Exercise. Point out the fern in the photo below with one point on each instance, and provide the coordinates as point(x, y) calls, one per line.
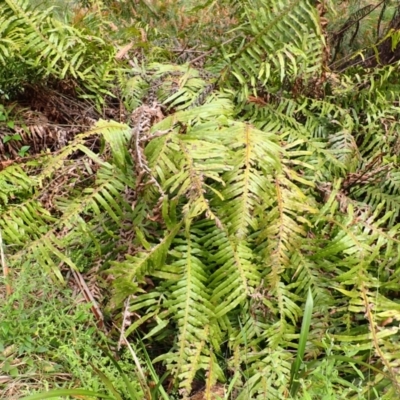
point(226, 197)
point(263, 63)
point(47, 47)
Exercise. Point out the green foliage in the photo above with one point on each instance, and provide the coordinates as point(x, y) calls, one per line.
point(305, 328)
point(45, 335)
point(231, 196)
point(261, 64)
point(35, 46)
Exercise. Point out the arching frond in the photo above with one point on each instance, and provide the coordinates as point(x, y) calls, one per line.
point(262, 63)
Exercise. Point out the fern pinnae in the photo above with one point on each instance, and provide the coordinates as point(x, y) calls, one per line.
point(130, 273)
point(230, 282)
point(192, 311)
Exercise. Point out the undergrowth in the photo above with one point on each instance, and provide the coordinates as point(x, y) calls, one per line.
point(223, 190)
point(49, 339)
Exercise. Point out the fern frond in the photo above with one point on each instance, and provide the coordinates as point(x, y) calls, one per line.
point(129, 274)
point(269, 375)
point(236, 273)
point(13, 180)
point(46, 47)
point(38, 238)
point(284, 42)
point(189, 304)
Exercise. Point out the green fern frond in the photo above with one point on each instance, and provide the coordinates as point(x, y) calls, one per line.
point(46, 47)
point(269, 374)
point(14, 180)
point(189, 304)
point(236, 274)
point(254, 161)
point(263, 60)
point(131, 272)
point(38, 238)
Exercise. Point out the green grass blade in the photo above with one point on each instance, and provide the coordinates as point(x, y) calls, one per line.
point(130, 388)
point(231, 385)
point(154, 375)
point(67, 392)
point(107, 383)
point(305, 328)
